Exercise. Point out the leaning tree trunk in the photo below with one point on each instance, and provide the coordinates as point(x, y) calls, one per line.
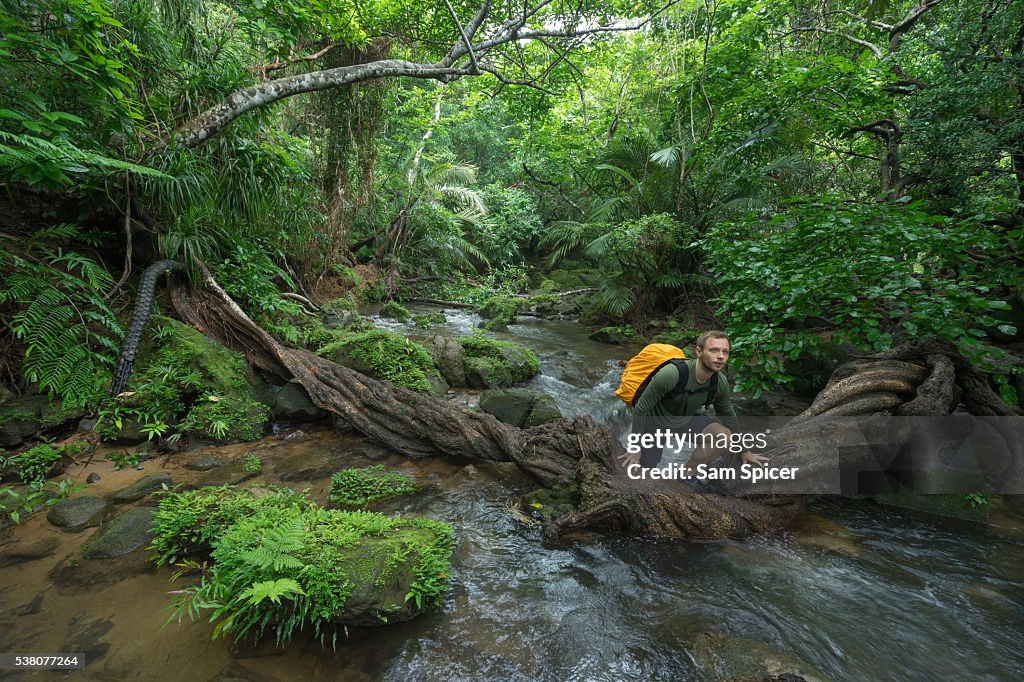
point(919, 379)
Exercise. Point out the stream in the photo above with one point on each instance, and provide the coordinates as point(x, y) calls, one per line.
point(853, 591)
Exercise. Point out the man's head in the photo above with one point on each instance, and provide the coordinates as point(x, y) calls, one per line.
point(713, 350)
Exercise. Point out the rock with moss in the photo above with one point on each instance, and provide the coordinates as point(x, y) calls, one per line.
point(221, 371)
point(493, 364)
point(395, 311)
point(616, 335)
point(426, 320)
point(21, 418)
point(283, 563)
point(227, 419)
point(546, 504)
point(387, 356)
point(499, 311)
point(519, 406)
point(447, 355)
point(358, 488)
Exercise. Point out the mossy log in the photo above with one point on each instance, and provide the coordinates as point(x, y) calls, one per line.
point(922, 378)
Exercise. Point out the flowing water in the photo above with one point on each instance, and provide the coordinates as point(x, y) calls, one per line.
point(854, 591)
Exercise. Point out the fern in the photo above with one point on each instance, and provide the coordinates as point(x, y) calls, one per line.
point(69, 334)
point(272, 590)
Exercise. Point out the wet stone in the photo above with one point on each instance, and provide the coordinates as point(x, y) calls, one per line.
point(124, 534)
point(309, 466)
point(141, 488)
point(204, 462)
point(231, 474)
point(77, 514)
point(85, 635)
point(28, 550)
point(92, 478)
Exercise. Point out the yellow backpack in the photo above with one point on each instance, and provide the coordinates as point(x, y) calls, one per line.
point(642, 366)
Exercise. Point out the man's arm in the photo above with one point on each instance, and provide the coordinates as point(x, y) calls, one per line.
point(723, 405)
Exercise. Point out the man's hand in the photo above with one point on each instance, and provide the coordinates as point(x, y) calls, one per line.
point(750, 458)
point(628, 458)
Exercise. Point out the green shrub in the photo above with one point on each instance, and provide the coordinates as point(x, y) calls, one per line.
point(890, 270)
point(35, 464)
point(251, 463)
point(356, 488)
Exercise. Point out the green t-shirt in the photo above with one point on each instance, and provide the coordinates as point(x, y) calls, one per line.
point(652, 401)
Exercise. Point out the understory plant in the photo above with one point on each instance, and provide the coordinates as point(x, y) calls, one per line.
point(356, 488)
point(868, 274)
point(279, 563)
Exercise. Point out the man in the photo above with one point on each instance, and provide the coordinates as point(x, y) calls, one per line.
point(653, 408)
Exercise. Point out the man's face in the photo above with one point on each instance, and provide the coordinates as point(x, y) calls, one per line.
point(714, 355)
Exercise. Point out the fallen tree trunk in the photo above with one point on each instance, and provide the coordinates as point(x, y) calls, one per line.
point(923, 379)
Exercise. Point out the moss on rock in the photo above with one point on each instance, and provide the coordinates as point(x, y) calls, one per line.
point(357, 488)
point(387, 356)
point(425, 320)
point(491, 364)
point(279, 559)
point(227, 419)
point(395, 311)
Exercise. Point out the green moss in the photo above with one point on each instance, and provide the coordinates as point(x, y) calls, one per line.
point(499, 310)
point(427, 319)
point(278, 559)
point(566, 280)
point(346, 303)
point(394, 310)
point(384, 355)
point(356, 488)
point(227, 418)
point(497, 363)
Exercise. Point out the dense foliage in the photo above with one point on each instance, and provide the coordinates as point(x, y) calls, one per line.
point(661, 161)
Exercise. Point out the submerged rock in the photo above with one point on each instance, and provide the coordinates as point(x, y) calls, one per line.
point(124, 534)
point(77, 514)
point(141, 488)
point(733, 658)
point(29, 549)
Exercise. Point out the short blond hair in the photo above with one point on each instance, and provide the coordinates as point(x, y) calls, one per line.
point(713, 334)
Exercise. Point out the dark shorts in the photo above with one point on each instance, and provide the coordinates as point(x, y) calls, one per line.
point(699, 423)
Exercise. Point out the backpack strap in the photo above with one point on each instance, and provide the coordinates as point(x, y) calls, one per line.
point(680, 387)
point(684, 376)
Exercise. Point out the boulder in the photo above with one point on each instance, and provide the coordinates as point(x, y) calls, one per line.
point(141, 488)
point(78, 514)
point(447, 355)
point(291, 404)
point(494, 364)
point(387, 356)
point(732, 658)
point(124, 534)
point(22, 417)
point(519, 406)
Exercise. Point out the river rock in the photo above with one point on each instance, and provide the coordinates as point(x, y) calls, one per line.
point(293, 404)
point(733, 658)
point(447, 355)
point(141, 488)
point(23, 417)
point(124, 534)
point(309, 466)
point(28, 549)
point(92, 478)
point(85, 636)
point(611, 335)
point(77, 514)
point(230, 474)
point(204, 463)
point(520, 407)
